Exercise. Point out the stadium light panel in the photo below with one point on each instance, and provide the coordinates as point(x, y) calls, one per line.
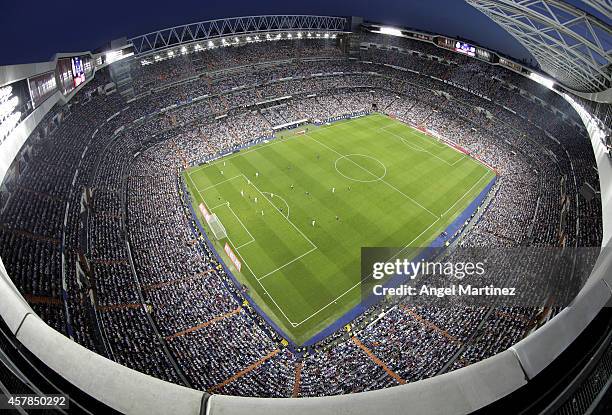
point(326, 35)
point(7, 107)
point(548, 83)
point(211, 44)
point(184, 49)
point(289, 36)
point(113, 56)
point(387, 30)
point(5, 92)
point(299, 35)
point(8, 118)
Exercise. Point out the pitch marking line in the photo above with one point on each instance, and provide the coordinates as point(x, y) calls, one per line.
point(377, 178)
point(372, 174)
point(264, 288)
point(219, 205)
point(288, 263)
point(419, 148)
point(466, 193)
point(293, 324)
point(288, 220)
point(365, 278)
point(272, 195)
point(241, 223)
point(221, 182)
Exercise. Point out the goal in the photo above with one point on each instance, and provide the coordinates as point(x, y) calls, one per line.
point(217, 227)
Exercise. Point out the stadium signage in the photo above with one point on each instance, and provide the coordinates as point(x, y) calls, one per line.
point(204, 211)
point(232, 256)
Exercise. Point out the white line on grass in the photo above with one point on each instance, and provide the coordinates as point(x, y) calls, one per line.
point(288, 263)
point(236, 248)
point(242, 224)
point(293, 324)
point(219, 205)
point(466, 193)
point(288, 220)
point(367, 277)
point(281, 198)
point(372, 174)
point(419, 148)
point(221, 182)
point(245, 244)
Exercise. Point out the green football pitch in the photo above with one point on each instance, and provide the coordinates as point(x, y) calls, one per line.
point(298, 209)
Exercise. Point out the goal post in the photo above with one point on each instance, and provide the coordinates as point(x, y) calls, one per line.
point(214, 223)
point(217, 227)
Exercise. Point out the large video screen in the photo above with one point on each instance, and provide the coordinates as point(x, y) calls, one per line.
point(78, 71)
point(465, 48)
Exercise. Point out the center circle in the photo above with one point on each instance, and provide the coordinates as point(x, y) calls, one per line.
point(360, 168)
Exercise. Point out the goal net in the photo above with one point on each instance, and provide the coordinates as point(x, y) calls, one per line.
point(217, 227)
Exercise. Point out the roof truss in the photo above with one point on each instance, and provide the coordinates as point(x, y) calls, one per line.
point(210, 29)
point(571, 45)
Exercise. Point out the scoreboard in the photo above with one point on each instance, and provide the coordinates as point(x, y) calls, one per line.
point(464, 48)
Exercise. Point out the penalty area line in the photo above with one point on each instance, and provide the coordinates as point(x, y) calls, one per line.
point(288, 263)
point(367, 277)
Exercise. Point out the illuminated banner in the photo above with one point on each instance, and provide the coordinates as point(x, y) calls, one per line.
point(465, 48)
point(78, 71)
point(232, 256)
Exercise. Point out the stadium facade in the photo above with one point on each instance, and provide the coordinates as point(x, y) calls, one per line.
point(100, 383)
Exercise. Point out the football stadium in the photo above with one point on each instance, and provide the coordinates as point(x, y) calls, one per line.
point(305, 214)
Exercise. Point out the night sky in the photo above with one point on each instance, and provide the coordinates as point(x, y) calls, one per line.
point(32, 31)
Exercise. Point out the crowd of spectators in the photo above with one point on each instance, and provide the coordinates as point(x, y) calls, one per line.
point(142, 288)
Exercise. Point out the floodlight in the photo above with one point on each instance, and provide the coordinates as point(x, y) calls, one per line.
point(548, 83)
point(387, 30)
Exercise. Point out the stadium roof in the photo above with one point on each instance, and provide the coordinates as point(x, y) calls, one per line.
point(570, 45)
point(210, 29)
